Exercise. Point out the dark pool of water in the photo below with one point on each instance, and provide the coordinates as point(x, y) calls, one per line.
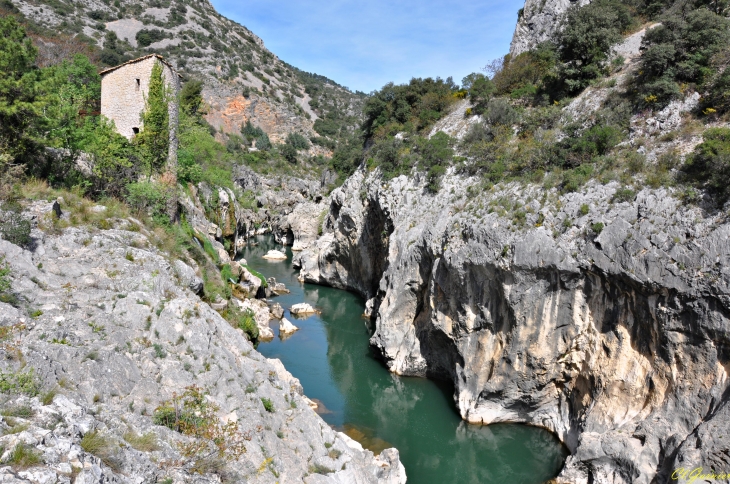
point(331, 357)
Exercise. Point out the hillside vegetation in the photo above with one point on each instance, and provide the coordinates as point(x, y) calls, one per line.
point(241, 80)
point(524, 123)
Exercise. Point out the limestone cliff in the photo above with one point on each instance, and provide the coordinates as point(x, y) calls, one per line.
point(537, 21)
point(107, 325)
point(605, 321)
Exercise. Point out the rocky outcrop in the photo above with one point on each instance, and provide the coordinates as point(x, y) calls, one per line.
point(291, 208)
point(605, 321)
point(537, 21)
point(110, 325)
point(301, 227)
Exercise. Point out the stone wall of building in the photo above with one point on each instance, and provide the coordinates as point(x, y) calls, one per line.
point(123, 93)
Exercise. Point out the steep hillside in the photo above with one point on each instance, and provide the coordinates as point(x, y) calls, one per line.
point(242, 79)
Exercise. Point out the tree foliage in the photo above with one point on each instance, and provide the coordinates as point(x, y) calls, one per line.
point(480, 89)
point(585, 39)
point(19, 101)
point(407, 107)
point(709, 165)
point(191, 98)
point(154, 138)
point(680, 52)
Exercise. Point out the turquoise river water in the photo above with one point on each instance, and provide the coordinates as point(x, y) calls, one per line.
point(357, 395)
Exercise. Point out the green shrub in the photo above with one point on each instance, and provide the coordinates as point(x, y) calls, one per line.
point(263, 143)
point(709, 165)
point(585, 39)
point(268, 405)
point(193, 415)
point(297, 141)
point(4, 275)
point(576, 178)
point(623, 195)
point(188, 170)
point(680, 51)
point(289, 152)
point(523, 76)
point(145, 37)
point(16, 230)
point(159, 351)
point(24, 382)
point(584, 209)
point(244, 320)
point(480, 89)
point(150, 198)
point(500, 111)
point(406, 107)
point(435, 154)
point(597, 227)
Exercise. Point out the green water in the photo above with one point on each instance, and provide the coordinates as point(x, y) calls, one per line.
point(331, 357)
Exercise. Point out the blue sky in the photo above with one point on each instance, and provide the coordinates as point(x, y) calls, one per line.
point(364, 45)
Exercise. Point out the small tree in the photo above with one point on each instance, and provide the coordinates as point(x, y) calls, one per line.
point(480, 89)
point(19, 105)
point(155, 136)
point(193, 415)
point(191, 98)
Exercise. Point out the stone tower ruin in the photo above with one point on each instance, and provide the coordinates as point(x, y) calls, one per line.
point(124, 89)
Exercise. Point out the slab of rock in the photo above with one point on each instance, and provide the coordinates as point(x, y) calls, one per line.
point(286, 327)
point(187, 276)
point(277, 311)
point(276, 288)
point(219, 306)
point(302, 309)
point(275, 255)
point(124, 336)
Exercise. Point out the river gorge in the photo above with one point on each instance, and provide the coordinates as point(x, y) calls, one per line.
point(356, 394)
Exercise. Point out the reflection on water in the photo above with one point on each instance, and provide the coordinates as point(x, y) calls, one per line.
point(366, 437)
point(357, 395)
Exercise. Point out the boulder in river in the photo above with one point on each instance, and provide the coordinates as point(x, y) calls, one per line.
point(275, 255)
point(302, 309)
point(277, 311)
point(286, 327)
point(277, 288)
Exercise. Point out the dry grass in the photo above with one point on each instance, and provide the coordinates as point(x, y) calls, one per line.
point(144, 443)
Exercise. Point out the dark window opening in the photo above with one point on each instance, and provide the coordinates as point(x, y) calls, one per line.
point(135, 130)
point(137, 85)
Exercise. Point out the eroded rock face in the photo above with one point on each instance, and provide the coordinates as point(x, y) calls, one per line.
point(537, 22)
point(613, 336)
point(301, 227)
point(117, 330)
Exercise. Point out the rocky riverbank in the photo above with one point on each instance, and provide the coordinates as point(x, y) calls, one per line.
point(101, 332)
point(600, 315)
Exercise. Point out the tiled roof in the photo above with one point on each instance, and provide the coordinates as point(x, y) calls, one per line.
point(161, 59)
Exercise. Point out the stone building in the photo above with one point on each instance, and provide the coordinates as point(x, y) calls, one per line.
point(124, 89)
